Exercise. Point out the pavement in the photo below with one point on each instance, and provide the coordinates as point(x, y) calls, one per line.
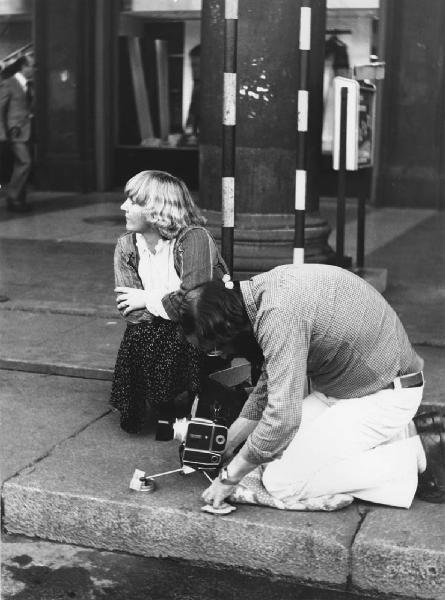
point(71, 524)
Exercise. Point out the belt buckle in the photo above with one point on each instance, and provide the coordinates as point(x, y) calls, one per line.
point(397, 384)
point(398, 380)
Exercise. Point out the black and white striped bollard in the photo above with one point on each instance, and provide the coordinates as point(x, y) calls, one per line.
point(303, 112)
point(228, 133)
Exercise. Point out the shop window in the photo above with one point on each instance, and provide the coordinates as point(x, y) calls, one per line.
point(158, 78)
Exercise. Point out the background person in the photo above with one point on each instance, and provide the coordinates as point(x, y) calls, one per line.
point(16, 102)
point(165, 252)
point(191, 129)
point(330, 324)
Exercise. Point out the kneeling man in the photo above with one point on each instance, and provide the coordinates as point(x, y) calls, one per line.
point(357, 432)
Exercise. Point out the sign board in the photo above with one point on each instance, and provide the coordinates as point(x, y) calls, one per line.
point(373, 71)
point(360, 119)
point(353, 88)
point(366, 125)
point(162, 5)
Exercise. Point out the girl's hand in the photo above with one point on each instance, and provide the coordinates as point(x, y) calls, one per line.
point(129, 299)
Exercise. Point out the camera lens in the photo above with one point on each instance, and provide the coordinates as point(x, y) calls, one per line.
point(164, 431)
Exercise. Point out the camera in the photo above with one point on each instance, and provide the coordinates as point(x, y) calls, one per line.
point(203, 438)
point(202, 442)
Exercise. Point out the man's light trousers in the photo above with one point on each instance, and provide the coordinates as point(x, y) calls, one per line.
point(358, 446)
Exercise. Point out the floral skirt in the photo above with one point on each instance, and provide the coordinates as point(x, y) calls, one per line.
point(155, 364)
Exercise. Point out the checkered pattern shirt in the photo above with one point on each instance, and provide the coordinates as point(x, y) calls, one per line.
point(328, 323)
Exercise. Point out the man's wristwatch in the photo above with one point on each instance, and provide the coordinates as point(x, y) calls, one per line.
point(224, 477)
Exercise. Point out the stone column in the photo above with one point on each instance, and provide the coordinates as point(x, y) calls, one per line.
point(412, 160)
point(266, 129)
point(64, 50)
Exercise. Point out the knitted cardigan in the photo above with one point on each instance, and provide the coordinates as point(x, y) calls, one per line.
point(196, 260)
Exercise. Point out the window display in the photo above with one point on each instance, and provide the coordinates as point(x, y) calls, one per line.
point(159, 75)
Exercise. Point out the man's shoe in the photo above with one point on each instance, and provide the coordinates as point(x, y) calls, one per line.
point(431, 430)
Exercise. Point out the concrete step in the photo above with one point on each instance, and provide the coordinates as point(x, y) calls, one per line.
point(62, 308)
point(79, 494)
point(60, 344)
point(86, 345)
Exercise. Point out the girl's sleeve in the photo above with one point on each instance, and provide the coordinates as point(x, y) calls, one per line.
point(196, 266)
point(126, 276)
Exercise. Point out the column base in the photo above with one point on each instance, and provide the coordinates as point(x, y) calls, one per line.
point(264, 241)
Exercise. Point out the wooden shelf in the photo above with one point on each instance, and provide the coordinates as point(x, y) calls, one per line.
point(163, 148)
point(168, 15)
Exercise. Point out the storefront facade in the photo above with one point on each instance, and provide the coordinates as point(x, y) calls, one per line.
point(118, 83)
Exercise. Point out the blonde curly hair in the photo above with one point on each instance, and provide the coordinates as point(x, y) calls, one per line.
point(167, 203)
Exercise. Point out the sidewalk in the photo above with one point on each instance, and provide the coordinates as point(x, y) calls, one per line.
point(67, 465)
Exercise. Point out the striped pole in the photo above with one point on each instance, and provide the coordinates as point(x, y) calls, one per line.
point(228, 133)
point(303, 111)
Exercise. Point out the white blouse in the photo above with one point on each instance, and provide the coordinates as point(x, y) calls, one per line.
point(157, 272)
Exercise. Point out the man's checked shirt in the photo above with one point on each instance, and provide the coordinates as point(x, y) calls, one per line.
point(328, 323)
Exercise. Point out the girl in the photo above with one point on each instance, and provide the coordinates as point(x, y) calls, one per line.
point(165, 252)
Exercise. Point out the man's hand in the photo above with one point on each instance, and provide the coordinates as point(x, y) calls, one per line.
point(217, 493)
point(129, 299)
point(235, 471)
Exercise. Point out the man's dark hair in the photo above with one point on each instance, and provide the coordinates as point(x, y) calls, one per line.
point(213, 313)
point(21, 62)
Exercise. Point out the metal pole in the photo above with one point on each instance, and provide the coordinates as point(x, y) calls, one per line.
point(361, 215)
point(341, 189)
point(303, 110)
point(229, 128)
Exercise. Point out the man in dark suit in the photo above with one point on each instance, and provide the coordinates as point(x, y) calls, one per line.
point(15, 128)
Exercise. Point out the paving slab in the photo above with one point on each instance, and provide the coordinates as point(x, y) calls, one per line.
point(416, 279)
point(382, 226)
point(421, 310)
point(79, 494)
point(39, 411)
point(41, 270)
point(75, 218)
point(60, 344)
point(402, 552)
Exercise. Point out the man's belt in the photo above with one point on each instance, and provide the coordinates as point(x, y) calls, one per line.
point(407, 381)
